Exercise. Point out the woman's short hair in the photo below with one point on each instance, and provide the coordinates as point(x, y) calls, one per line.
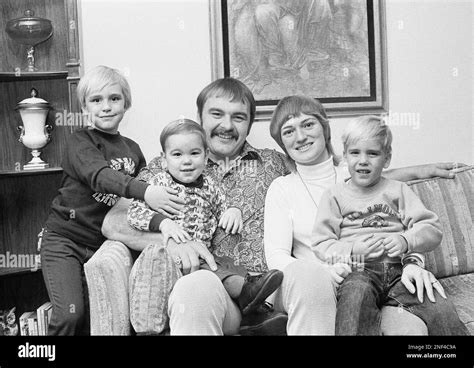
point(368, 127)
point(231, 88)
point(182, 126)
point(293, 106)
point(100, 77)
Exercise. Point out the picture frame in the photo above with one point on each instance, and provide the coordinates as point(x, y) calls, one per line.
point(336, 54)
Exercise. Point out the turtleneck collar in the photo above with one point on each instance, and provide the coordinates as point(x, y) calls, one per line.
point(319, 171)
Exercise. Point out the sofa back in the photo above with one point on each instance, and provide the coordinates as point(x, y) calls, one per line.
point(452, 200)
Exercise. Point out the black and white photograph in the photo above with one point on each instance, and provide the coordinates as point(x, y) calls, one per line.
point(248, 168)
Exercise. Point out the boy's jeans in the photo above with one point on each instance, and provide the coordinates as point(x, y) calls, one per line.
point(367, 289)
point(62, 263)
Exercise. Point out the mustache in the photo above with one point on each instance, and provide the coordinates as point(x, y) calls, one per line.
point(231, 132)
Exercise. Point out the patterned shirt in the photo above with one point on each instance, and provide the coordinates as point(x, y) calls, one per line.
point(205, 203)
point(245, 183)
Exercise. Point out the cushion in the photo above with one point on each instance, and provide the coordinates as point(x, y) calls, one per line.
point(452, 201)
point(151, 280)
point(107, 280)
point(460, 289)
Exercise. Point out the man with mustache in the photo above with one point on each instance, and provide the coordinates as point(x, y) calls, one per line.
point(198, 303)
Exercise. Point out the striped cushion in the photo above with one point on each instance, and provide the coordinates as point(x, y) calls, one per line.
point(151, 281)
point(452, 201)
point(107, 280)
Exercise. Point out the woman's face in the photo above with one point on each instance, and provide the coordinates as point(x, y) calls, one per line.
point(304, 141)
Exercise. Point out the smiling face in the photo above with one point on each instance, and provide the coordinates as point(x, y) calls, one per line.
point(106, 108)
point(366, 159)
point(226, 124)
point(185, 156)
point(304, 141)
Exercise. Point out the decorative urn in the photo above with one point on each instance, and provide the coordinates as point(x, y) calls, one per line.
point(35, 133)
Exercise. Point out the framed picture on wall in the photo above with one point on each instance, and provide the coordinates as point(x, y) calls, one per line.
point(334, 51)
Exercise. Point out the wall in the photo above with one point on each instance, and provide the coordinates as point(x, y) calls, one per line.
point(164, 47)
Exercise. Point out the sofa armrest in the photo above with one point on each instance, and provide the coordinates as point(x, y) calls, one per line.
point(107, 274)
point(151, 281)
point(452, 201)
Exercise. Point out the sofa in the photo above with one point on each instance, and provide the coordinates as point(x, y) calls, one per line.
point(109, 272)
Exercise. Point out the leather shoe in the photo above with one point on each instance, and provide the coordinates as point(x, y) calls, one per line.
point(258, 288)
point(264, 321)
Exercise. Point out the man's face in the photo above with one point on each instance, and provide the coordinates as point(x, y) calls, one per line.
point(226, 125)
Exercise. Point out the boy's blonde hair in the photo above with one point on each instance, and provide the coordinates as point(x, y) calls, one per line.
point(100, 77)
point(368, 127)
point(182, 126)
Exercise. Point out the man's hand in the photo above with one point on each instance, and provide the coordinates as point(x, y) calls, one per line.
point(189, 253)
point(164, 200)
point(441, 169)
point(395, 245)
point(369, 246)
point(423, 280)
point(170, 229)
point(339, 272)
point(231, 221)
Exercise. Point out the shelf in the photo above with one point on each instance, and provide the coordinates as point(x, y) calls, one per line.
point(26, 76)
point(51, 170)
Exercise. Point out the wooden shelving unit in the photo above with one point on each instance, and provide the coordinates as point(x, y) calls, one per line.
point(31, 76)
point(25, 196)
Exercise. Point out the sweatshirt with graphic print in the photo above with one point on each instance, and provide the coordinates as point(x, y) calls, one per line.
point(99, 168)
point(388, 207)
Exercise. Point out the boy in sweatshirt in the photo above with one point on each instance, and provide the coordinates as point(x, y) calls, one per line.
point(373, 222)
point(99, 166)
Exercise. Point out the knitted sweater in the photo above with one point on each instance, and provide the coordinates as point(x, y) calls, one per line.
point(290, 212)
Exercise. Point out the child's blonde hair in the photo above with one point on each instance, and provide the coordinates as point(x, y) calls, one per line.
point(368, 127)
point(100, 77)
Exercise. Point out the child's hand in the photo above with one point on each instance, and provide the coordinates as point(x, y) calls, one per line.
point(395, 245)
point(231, 221)
point(171, 229)
point(370, 246)
point(164, 200)
point(339, 272)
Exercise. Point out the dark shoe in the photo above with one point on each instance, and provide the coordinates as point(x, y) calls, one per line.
point(258, 288)
point(264, 321)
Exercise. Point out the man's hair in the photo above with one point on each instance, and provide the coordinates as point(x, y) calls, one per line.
point(293, 106)
point(231, 88)
point(100, 77)
point(368, 127)
point(182, 126)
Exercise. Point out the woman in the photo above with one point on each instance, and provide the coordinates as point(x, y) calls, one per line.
point(300, 127)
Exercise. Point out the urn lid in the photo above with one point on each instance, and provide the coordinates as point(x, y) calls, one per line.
point(33, 102)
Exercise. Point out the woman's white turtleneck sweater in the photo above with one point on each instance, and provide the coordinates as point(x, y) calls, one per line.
point(290, 212)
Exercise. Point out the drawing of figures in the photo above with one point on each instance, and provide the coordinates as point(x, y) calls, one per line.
point(299, 46)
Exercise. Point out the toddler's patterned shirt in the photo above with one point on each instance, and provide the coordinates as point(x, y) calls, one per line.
point(205, 203)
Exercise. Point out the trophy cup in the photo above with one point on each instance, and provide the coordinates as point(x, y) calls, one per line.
point(29, 31)
point(35, 134)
